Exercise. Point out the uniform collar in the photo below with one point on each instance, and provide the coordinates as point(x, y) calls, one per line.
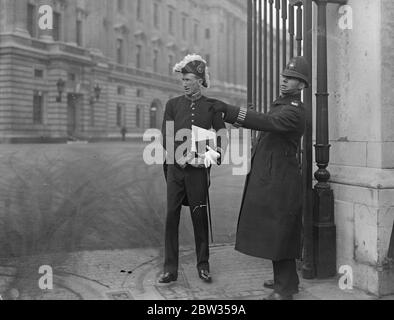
point(194, 97)
point(287, 99)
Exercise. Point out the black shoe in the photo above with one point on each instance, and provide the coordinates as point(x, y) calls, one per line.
point(167, 278)
point(269, 284)
point(277, 296)
point(205, 276)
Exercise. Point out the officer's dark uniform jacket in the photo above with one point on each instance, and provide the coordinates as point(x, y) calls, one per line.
point(270, 219)
point(184, 113)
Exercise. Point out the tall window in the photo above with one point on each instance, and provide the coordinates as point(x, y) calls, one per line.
point(31, 20)
point(138, 117)
point(56, 26)
point(119, 51)
point(38, 107)
point(195, 32)
point(121, 90)
point(79, 33)
point(170, 64)
point(171, 20)
point(121, 5)
point(207, 33)
point(119, 114)
point(156, 21)
point(139, 9)
point(139, 57)
point(155, 60)
point(207, 59)
point(92, 116)
point(184, 28)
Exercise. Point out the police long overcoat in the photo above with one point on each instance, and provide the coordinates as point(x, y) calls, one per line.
point(270, 220)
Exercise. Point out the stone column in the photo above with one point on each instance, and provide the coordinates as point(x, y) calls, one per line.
point(360, 57)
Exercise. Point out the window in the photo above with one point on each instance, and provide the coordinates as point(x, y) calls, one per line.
point(92, 116)
point(121, 5)
point(207, 59)
point(119, 51)
point(138, 116)
point(71, 76)
point(31, 20)
point(207, 33)
point(195, 32)
point(171, 21)
point(155, 60)
point(184, 27)
point(79, 33)
point(119, 114)
point(156, 20)
point(38, 106)
point(139, 57)
point(140, 93)
point(139, 9)
point(170, 64)
point(121, 91)
point(56, 26)
point(38, 73)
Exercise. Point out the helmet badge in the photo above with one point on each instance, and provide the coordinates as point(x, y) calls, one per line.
point(292, 66)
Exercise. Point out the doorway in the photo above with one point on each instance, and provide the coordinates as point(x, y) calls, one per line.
point(74, 104)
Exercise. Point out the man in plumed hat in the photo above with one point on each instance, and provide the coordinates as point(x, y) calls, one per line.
point(270, 220)
point(187, 168)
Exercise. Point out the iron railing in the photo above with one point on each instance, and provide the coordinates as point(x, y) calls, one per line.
point(277, 31)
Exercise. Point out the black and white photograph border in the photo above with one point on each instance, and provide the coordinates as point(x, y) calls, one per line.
point(303, 89)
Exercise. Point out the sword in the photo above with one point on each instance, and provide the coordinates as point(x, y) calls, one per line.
point(209, 205)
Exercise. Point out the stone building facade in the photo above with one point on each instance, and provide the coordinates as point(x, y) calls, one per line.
point(107, 64)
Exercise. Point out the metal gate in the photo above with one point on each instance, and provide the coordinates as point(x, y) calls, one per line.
point(277, 31)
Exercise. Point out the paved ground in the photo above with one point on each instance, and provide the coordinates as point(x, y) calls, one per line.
point(95, 214)
point(59, 199)
point(132, 275)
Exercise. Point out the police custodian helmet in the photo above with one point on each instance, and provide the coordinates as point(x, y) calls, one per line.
point(298, 68)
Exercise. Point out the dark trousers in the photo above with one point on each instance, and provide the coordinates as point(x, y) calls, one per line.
point(286, 279)
point(191, 184)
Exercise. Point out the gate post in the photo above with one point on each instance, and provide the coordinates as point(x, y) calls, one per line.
point(308, 267)
point(323, 205)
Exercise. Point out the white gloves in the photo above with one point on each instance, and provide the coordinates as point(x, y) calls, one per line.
point(211, 157)
point(206, 160)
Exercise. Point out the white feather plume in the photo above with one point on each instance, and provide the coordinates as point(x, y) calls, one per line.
point(190, 58)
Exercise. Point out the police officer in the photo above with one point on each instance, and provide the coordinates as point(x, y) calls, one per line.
point(186, 172)
point(270, 220)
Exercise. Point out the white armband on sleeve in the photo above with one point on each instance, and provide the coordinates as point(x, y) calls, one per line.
point(241, 117)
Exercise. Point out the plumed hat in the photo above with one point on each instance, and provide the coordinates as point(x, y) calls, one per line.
point(193, 63)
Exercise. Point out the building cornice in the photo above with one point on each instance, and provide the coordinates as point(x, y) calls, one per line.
point(13, 44)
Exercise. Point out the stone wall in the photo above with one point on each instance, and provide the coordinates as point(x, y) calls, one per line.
point(362, 135)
